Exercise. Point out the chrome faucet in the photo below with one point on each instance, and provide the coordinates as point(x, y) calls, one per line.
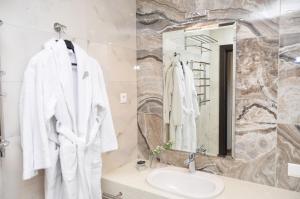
point(190, 162)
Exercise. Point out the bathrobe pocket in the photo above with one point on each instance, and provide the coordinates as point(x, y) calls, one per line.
point(96, 162)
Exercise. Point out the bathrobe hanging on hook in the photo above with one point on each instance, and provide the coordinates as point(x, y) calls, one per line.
point(180, 106)
point(65, 122)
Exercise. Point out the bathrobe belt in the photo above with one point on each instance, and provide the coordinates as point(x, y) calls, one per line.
point(72, 136)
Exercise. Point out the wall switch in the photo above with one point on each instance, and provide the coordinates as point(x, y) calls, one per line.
point(294, 170)
point(123, 98)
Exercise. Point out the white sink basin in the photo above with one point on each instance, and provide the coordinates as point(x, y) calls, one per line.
point(189, 185)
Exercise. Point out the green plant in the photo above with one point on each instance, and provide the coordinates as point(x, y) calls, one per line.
point(160, 148)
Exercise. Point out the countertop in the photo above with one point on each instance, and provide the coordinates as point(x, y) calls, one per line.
point(128, 176)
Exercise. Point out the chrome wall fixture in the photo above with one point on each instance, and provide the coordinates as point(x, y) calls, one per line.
point(59, 28)
point(199, 41)
point(202, 80)
point(110, 196)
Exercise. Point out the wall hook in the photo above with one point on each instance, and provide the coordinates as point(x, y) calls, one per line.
point(59, 28)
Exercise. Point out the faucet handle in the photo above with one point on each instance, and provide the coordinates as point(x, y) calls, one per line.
point(201, 150)
point(192, 156)
point(190, 159)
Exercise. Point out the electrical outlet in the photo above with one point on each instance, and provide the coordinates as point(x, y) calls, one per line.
point(123, 98)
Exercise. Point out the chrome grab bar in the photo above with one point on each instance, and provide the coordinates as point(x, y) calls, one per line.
point(110, 196)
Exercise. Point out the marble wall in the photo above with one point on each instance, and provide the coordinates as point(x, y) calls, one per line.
point(107, 31)
point(267, 130)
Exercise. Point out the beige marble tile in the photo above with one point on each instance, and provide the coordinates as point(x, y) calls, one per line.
point(288, 151)
point(147, 38)
point(257, 69)
point(260, 170)
point(149, 78)
point(289, 19)
point(255, 18)
point(150, 85)
point(289, 74)
point(149, 132)
point(117, 62)
point(10, 108)
point(289, 85)
point(166, 9)
point(21, 43)
point(125, 123)
point(1, 182)
point(112, 22)
point(257, 110)
point(14, 186)
point(41, 15)
point(288, 6)
point(253, 140)
point(266, 28)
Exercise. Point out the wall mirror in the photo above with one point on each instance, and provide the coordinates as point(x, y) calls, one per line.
point(199, 67)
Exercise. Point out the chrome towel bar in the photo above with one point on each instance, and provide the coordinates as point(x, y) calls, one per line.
point(110, 196)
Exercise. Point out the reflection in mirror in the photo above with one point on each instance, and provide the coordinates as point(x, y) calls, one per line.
point(199, 65)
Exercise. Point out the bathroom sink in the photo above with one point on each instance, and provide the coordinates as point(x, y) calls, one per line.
point(189, 185)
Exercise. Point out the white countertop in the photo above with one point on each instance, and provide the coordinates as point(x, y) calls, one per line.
point(130, 177)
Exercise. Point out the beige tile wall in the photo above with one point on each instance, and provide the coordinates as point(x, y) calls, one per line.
point(106, 30)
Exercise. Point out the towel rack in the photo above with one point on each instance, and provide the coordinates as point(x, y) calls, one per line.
point(110, 196)
point(199, 41)
point(202, 81)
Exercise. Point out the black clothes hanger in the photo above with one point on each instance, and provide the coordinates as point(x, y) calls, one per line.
point(70, 46)
point(60, 28)
point(181, 63)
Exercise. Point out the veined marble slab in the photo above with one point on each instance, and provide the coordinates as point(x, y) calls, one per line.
point(267, 88)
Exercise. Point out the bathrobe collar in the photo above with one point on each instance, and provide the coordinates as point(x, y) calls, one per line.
point(65, 74)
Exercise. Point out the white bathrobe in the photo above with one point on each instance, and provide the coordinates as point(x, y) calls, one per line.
point(66, 122)
point(180, 106)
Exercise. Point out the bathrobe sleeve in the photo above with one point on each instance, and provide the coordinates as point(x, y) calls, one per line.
point(194, 96)
point(108, 134)
point(177, 98)
point(195, 103)
point(167, 97)
point(34, 139)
